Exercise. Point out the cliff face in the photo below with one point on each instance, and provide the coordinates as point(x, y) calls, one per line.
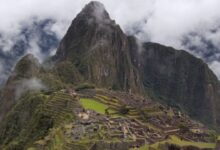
point(180, 79)
point(99, 50)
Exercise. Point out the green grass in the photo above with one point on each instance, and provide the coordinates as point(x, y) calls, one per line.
point(175, 140)
point(93, 105)
point(99, 107)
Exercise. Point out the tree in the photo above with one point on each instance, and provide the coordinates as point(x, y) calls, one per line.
point(123, 110)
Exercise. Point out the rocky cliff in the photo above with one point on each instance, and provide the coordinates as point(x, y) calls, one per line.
point(99, 50)
point(181, 80)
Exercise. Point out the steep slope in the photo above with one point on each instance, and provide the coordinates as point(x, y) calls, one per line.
point(99, 50)
point(26, 68)
point(33, 116)
point(180, 79)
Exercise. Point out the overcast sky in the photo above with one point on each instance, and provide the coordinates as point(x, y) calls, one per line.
point(168, 22)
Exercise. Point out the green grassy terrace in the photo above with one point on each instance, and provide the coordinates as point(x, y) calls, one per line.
point(93, 105)
point(177, 141)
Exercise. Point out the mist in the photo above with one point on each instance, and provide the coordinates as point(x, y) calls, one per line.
point(192, 25)
point(33, 84)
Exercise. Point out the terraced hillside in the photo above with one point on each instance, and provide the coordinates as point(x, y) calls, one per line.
point(33, 117)
point(104, 119)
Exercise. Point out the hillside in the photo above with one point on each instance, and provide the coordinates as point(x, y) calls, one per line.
point(85, 118)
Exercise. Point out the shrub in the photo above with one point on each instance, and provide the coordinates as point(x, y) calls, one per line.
point(84, 86)
point(123, 110)
point(115, 87)
point(183, 128)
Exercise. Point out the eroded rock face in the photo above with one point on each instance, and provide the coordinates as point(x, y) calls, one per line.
point(180, 79)
point(99, 50)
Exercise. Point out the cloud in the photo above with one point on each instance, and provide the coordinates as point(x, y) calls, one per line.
point(28, 84)
point(215, 66)
point(167, 22)
point(1, 67)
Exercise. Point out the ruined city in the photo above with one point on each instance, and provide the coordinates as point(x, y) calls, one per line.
point(104, 115)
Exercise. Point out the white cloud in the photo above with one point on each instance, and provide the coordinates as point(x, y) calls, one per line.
point(28, 84)
point(215, 66)
point(162, 21)
point(166, 21)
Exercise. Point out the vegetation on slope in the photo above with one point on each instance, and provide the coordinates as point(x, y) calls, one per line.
point(33, 116)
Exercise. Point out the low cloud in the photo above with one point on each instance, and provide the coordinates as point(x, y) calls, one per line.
point(25, 85)
point(163, 21)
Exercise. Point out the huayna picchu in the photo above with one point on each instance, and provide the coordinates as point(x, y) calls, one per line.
point(103, 91)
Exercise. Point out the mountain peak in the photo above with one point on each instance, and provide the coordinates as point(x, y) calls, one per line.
point(27, 67)
point(95, 4)
point(99, 49)
point(95, 11)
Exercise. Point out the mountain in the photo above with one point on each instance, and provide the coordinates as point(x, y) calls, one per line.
point(102, 54)
point(26, 68)
point(31, 35)
point(180, 79)
point(106, 90)
point(99, 50)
